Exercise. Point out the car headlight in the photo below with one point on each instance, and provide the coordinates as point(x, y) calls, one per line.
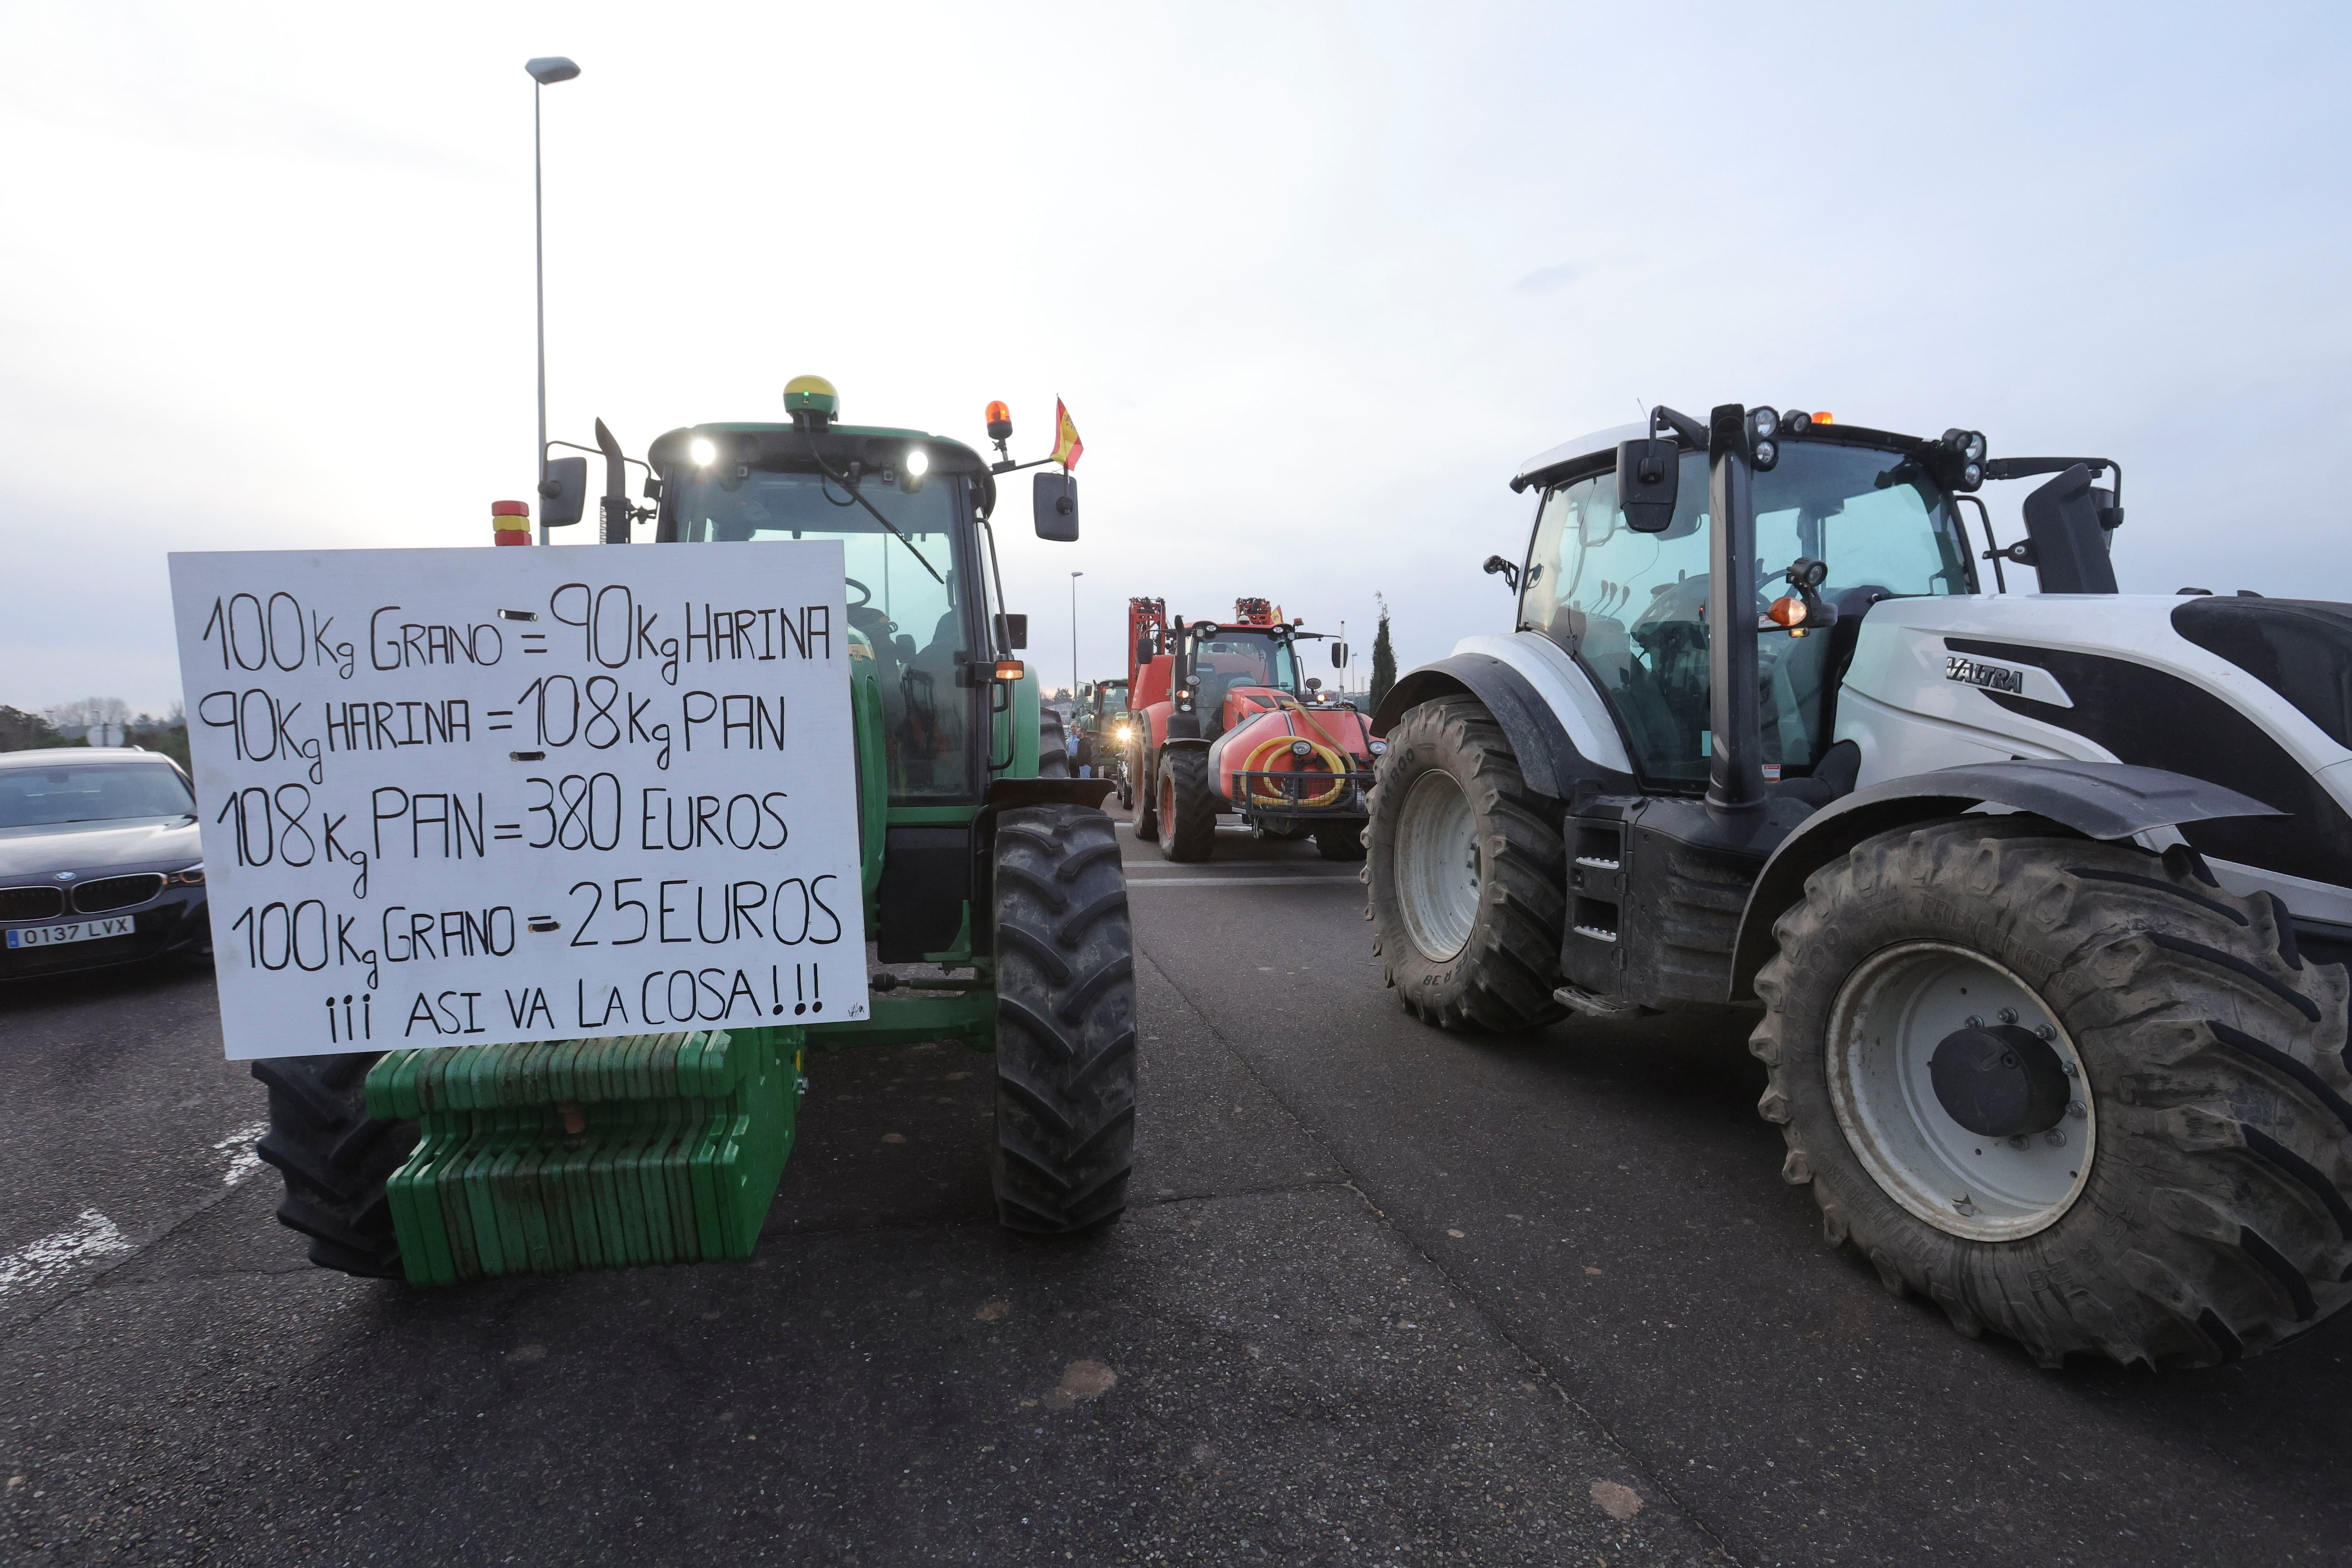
point(194, 877)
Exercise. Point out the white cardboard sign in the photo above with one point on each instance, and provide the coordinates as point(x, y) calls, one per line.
point(475, 796)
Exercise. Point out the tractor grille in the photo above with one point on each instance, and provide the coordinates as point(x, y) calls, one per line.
point(117, 892)
point(30, 903)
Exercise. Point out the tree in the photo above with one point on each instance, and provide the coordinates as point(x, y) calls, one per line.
point(22, 731)
point(1384, 658)
point(89, 711)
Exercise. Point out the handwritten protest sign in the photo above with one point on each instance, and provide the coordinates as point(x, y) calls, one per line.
point(475, 796)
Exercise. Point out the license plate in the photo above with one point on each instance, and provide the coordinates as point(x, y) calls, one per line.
point(79, 931)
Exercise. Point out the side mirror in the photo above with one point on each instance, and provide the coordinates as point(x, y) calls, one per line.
point(1143, 651)
point(1055, 500)
point(1510, 575)
point(563, 494)
point(1314, 683)
point(2070, 548)
point(1647, 476)
point(1339, 655)
point(1012, 631)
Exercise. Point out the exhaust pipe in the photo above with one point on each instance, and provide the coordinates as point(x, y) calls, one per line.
point(1734, 776)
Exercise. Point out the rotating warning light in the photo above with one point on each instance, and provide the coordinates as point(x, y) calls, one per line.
point(702, 451)
point(811, 394)
point(1000, 422)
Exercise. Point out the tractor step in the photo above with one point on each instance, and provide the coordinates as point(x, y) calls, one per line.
point(597, 1153)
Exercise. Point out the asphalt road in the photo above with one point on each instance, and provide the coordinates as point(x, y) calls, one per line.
point(1385, 1296)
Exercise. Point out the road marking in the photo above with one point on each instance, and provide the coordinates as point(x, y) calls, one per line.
point(91, 1236)
point(1240, 882)
point(238, 1146)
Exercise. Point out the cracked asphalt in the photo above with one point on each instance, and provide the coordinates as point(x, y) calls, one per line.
point(1384, 1296)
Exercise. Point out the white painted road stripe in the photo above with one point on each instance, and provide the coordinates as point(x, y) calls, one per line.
point(91, 1236)
point(238, 1146)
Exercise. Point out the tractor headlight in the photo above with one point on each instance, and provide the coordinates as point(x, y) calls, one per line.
point(1767, 454)
point(1971, 476)
point(1796, 421)
point(1763, 424)
point(703, 451)
point(1972, 447)
point(918, 463)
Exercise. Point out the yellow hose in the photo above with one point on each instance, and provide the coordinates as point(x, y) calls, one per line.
point(1260, 795)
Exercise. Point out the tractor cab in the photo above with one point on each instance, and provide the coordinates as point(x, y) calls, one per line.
point(1241, 670)
point(1627, 600)
point(911, 511)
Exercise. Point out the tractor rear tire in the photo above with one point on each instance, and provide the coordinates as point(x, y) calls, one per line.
point(1066, 1024)
point(335, 1159)
point(2194, 1205)
point(1053, 746)
point(1339, 840)
point(1468, 874)
point(1187, 814)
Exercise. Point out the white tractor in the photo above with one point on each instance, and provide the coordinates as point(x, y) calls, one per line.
point(2045, 898)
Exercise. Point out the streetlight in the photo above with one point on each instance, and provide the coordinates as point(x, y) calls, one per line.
point(1074, 634)
point(545, 71)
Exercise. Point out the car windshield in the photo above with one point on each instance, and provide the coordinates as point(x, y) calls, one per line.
point(904, 602)
point(1231, 658)
point(1627, 605)
point(91, 792)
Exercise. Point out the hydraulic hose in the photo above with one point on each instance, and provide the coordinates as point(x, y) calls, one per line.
point(1259, 794)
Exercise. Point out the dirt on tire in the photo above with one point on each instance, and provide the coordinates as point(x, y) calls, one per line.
point(1503, 979)
point(2215, 1221)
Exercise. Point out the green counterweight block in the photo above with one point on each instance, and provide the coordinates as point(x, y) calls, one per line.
point(608, 1154)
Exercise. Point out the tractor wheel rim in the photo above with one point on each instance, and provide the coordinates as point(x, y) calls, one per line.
point(1168, 809)
point(1438, 874)
point(1885, 1023)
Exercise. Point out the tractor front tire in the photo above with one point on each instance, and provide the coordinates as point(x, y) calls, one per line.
point(1468, 874)
point(335, 1159)
point(1187, 814)
point(1053, 746)
point(1064, 1022)
point(2189, 1205)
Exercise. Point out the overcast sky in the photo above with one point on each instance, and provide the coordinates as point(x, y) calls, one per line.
point(1312, 280)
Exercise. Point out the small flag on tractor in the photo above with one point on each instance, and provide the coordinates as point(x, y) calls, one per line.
point(1067, 448)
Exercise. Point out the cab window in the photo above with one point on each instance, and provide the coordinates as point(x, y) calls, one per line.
point(905, 597)
point(1629, 606)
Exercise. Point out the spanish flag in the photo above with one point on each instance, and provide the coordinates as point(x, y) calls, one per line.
point(1067, 448)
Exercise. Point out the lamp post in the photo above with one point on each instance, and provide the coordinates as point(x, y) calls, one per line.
point(545, 71)
point(1074, 634)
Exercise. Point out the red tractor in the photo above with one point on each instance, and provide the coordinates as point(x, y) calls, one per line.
point(1224, 722)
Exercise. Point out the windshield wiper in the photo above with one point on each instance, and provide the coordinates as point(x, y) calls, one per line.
point(851, 486)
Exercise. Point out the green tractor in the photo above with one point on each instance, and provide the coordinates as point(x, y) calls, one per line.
point(995, 905)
